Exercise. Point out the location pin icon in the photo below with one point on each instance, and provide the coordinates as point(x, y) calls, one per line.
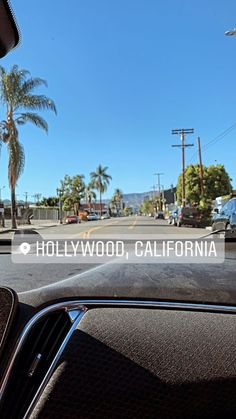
point(25, 248)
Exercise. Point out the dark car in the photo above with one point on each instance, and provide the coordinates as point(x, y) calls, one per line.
point(188, 216)
point(159, 215)
point(225, 218)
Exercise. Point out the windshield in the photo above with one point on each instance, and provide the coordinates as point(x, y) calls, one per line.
point(124, 112)
point(190, 211)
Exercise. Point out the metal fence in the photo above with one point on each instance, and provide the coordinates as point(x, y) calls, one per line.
point(45, 214)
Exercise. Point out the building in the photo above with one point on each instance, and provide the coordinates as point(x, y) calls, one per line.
point(94, 207)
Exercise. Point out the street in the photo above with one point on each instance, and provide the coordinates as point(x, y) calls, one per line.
point(27, 277)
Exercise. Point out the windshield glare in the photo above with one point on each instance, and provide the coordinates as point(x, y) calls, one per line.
point(117, 142)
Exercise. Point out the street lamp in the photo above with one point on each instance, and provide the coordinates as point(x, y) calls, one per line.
point(59, 194)
point(2, 208)
point(231, 32)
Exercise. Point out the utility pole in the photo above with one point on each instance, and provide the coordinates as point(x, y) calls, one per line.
point(159, 187)
point(163, 197)
point(174, 194)
point(26, 199)
point(200, 165)
point(182, 132)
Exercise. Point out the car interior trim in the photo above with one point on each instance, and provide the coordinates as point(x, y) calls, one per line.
point(81, 307)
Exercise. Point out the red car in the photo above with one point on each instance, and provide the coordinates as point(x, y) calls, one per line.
point(72, 219)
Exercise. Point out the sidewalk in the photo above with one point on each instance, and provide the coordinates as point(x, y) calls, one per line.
point(35, 225)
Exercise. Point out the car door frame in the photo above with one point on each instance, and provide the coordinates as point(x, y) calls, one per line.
point(222, 219)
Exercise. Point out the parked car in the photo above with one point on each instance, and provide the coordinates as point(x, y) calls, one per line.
point(225, 219)
point(92, 217)
point(105, 216)
point(188, 216)
point(160, 215)
point(72, 219)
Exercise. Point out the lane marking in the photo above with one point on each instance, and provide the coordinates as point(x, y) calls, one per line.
point(86, 234)
point(132, 225)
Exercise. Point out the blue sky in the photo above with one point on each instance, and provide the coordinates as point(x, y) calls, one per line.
point(123, 74)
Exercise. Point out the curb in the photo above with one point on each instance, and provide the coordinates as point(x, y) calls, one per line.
point(9, 230)
point(32, 227)
point(42, 226)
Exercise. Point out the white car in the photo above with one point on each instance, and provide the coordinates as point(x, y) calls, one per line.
point(105, 216)
point(92, 217)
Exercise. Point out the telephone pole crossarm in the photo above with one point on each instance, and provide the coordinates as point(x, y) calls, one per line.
point(182, 132)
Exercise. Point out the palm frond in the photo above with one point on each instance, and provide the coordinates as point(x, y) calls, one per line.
point(36, 102)
point(20, 72)
point(11, 83)
point(31, 84)
point(16, 160)
point(100, 179)
point(34, 118)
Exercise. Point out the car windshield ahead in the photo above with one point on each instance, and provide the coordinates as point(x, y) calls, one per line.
point(126, 93)
point(190, 211)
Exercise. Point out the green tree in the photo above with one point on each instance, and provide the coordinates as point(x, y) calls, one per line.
point(17, 95)
point(216, 182)
point(51, 201)
point(147, 206)
point(128, 210)
point(100, 180)
point(72, 190)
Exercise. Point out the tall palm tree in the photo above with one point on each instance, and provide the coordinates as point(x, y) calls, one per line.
point(17, 95)
point(89, 195)
point(100, 181)
point(118, 196)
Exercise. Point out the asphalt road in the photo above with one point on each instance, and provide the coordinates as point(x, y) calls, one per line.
point(23, 277)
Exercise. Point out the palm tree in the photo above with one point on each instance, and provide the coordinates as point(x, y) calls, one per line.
point(89, 195)
point(100, 180)
point(17, 94)
point(118, 196)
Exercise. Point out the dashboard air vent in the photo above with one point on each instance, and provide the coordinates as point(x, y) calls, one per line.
point(34, 360)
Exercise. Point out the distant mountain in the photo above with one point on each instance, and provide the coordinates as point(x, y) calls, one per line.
point(133, 199)
point(136, 199)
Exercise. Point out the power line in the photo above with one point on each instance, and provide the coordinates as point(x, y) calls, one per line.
point(200, 165)
point(215, 140)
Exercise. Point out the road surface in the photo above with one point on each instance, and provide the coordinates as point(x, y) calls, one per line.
point(27, 277)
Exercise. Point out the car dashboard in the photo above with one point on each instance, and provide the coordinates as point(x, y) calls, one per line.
point(110, 358)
